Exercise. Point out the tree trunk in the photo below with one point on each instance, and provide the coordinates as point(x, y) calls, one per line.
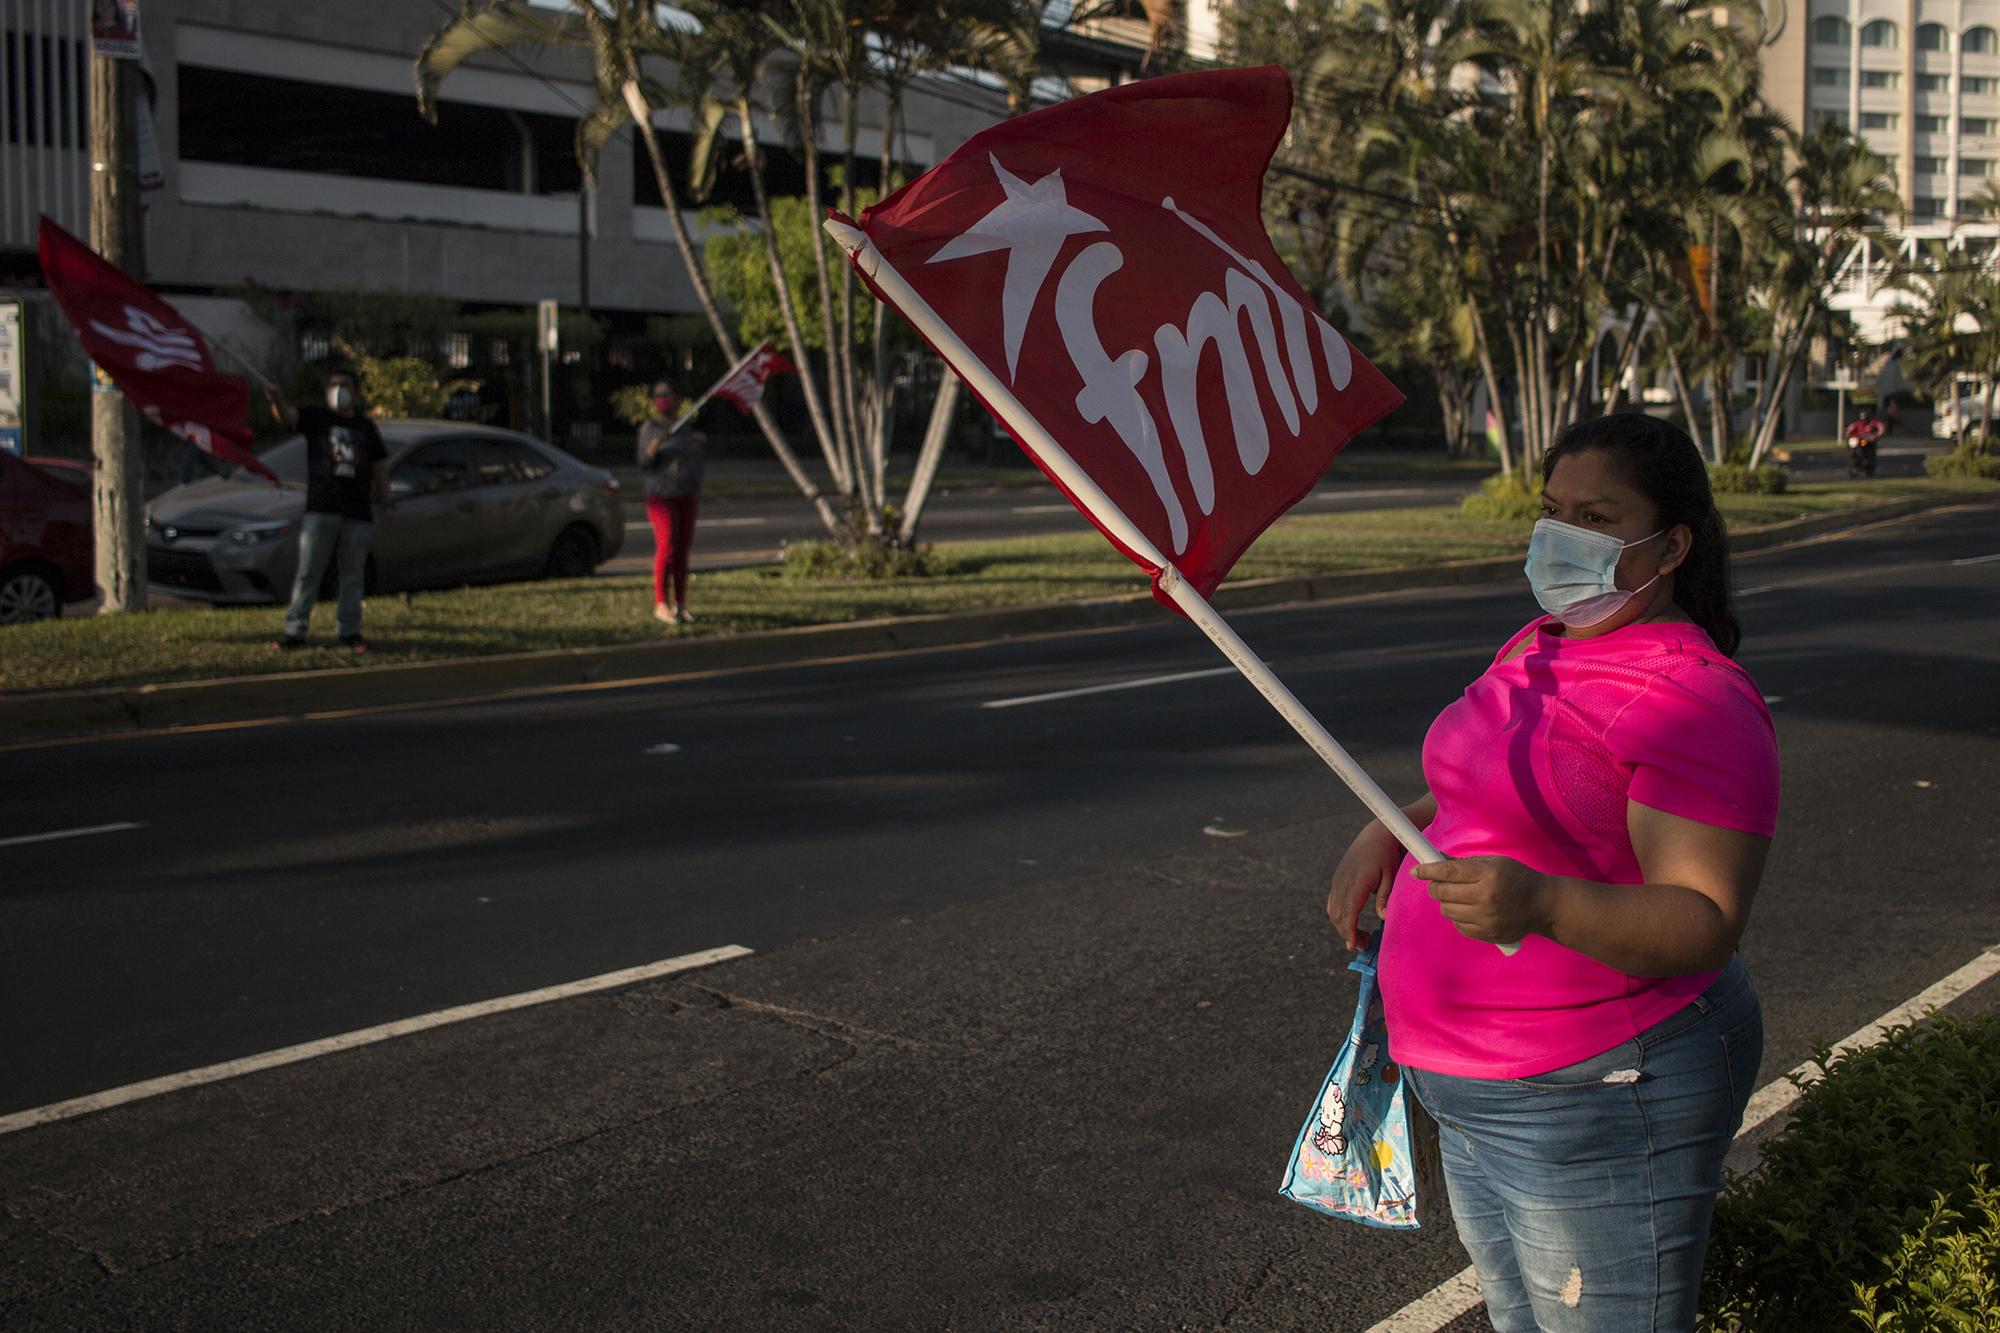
point(1682, 391)
point(786, 309)
point(1494, 402)
point(1720, 429)
point(943, 409)
point(849, 385)
point(843, 429)
point(1767, 429)
point(642, 117)
point(118, 486)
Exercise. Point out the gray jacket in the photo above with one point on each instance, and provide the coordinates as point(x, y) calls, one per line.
point(673, 459)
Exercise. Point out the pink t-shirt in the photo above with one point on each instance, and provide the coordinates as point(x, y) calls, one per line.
point(1537, 761)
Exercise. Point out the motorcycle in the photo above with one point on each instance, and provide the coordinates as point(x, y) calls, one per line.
point(1860, 457)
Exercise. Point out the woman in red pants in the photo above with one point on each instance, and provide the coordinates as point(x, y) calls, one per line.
point(673, 455)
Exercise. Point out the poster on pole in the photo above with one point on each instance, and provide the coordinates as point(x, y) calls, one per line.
point(13, 380)
point(114, 29)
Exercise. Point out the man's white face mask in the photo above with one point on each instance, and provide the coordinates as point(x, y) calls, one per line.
point(340, 397)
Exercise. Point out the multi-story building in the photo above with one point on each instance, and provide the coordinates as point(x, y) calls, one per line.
point(292, 158)
point(1919, 82)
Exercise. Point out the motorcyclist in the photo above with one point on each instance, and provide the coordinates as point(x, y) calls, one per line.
point(1861, 438)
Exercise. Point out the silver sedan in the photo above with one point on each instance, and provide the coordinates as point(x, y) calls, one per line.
point(473, 504)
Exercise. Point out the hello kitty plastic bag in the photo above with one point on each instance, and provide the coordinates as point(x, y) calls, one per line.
point(1364, 1141)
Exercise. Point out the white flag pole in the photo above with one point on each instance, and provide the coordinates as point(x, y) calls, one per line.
point(1101, 508)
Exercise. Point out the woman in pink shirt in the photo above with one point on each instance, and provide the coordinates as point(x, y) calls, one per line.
point(1606, 794)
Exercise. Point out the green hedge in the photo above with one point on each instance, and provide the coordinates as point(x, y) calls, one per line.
point(1974, 458)
point(1871, 1208)
point(1515, 496)
point(1741, 479)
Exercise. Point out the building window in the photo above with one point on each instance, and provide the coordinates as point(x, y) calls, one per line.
point(1980, 167)
point(1889, 165)
point(336, 131)
point(1927, 166)
point(1924, 206)
point(1933, 83)
point(1980, 42)
point(1879, 120)
point(1974, 86)
point(1933, 37)
point(1881, 33)
point(1824, 117)
point(1932, 124)
point(1833, 30)
point(1879, 78)
point(1977, 127)
point(1829, 78)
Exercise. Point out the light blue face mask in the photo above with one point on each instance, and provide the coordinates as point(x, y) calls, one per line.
point(1574, 573)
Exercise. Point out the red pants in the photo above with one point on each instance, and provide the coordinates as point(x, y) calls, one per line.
point(673, 538)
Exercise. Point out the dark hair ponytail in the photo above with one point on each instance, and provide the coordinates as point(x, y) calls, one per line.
point(1658, 459)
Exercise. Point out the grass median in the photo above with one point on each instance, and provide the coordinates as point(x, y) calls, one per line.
point(204, 644)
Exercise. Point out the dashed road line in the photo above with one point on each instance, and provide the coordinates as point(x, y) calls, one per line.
point(120, 827)
point(347, 1041)
point(1107, 689)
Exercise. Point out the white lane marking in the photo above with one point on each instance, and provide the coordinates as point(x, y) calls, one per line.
point(1459, 1294)
point(1217, 831)
point(1106, 689)
point(69, 833)
point(1338, 493)
point(1978, 559)
point(1043, 509)
point(707, 523)
point(1774, 698)
point(347, 1041)
point(1758, 591)
point(664, 747)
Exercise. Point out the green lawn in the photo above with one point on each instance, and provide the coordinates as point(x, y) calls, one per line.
point(521, 617)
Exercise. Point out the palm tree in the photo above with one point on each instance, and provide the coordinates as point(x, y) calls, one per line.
point(1840, 193)
point(618, 36)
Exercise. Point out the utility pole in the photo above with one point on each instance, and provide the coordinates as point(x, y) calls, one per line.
point(118, 489)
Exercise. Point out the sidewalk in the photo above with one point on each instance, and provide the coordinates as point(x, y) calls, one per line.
point(37, 716)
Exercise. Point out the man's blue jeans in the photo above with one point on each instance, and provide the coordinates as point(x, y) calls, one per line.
point(1584, 1194)
point(321, 538)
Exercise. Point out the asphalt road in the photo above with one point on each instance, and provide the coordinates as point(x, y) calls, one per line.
point(742, 531)
point(1040, 992)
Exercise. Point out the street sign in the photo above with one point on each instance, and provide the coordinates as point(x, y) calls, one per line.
point(13, 379)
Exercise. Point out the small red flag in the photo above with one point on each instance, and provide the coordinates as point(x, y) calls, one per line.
point(150, 351)
point(1106, 258)
point(744, 386)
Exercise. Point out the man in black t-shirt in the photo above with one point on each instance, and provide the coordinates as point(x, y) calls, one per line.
point(346, 475)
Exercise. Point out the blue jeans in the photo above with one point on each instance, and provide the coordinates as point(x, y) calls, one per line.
point(321, 537)
point(1584, 1194)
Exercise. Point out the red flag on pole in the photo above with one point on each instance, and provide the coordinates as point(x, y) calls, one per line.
point(150, 351)
point(1098, 273)
point(744, 386)
point(1106, 259)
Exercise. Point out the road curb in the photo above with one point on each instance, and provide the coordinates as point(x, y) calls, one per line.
point(63, 714)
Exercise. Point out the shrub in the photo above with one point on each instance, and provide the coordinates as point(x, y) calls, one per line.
point(1860, 1193)
point(1944, 1275)
point(1513, 496)
point(1973, 458)
point(857, 561)
point(633, 404)
point(1742, 479)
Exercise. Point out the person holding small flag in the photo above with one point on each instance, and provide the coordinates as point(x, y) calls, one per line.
point(1605, 794)
point(346, 477)
point(674, 456)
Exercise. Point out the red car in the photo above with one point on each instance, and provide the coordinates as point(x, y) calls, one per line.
point(46, 554)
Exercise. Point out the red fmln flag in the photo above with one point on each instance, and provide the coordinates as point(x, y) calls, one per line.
point(150, 351)
point(744, 386)
point(1106, 259)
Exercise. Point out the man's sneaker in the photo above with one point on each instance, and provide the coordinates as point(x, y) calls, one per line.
point(287, 642)
point(354, 643)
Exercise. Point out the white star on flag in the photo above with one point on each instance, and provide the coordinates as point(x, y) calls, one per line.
point(1031, 226)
